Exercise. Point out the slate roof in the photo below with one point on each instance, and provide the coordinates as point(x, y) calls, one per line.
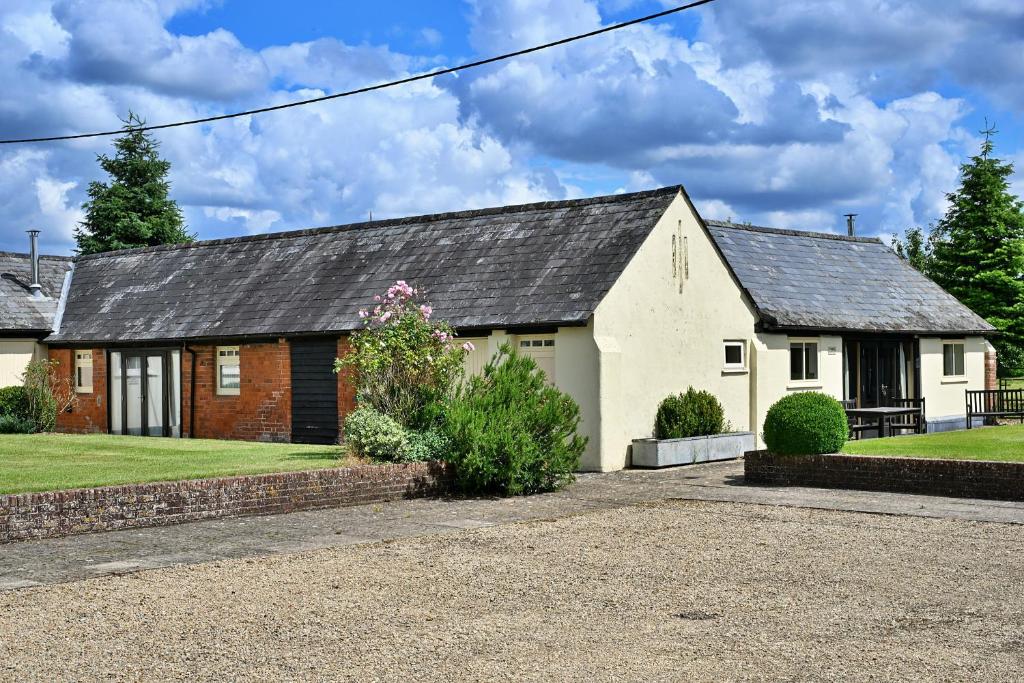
point(538, 264)
point(823, 282)
point(20, 313)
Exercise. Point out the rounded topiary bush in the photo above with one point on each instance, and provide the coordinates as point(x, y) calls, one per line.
point(695, 413)
point(375, 436)
point(14, 402)
point(807, 423)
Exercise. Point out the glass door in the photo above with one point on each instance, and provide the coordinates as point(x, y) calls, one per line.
point(141, 393)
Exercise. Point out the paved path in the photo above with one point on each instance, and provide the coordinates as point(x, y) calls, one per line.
point(34, 563)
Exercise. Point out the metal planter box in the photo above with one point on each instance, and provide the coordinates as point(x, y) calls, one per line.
point(669, 452)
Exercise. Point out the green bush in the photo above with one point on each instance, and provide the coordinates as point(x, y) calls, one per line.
point(695, 413)
point(511, 432)
point(47, 393)
point(806, 423)
point(15, 424)
point(375, 436)
point(14, 402)
point(423, 446)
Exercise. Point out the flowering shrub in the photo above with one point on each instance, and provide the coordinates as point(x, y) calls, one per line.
point(405, 365)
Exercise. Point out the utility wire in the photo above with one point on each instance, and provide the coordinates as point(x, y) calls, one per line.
point(371, 88)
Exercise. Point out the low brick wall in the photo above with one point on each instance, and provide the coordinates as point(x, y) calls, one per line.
point(955, 478)
point(78, 511)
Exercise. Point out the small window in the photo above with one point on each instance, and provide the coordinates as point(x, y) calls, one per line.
point(83, 372)
point(803, 361)
point(953, 359)
point(735, 355)
point(229, 374)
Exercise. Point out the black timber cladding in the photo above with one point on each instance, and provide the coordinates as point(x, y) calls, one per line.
point(314, 391)
point(548, 263)
point(814, 281)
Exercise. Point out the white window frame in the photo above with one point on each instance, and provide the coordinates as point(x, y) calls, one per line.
point(804, 381)
point(962, 375)
point(83, 370)
point(227, 356)
point(734, 367)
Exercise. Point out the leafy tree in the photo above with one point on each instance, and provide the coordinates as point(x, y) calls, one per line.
point(133, 209)
point(978, 251)
point(914, 248)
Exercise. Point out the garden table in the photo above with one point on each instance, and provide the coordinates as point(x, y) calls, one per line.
point(882, 415)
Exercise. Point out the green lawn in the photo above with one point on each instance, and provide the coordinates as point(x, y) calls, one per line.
point(1017, 383)
point(986, 443)
point(50, 462)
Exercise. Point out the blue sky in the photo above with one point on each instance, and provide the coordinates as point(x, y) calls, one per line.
point(777, 113)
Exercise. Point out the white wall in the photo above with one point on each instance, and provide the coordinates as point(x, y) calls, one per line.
point(15, 354)
point(772, 380)
point(661, 329)
point(944, 397)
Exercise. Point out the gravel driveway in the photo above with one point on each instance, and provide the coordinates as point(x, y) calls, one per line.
point(677, 590)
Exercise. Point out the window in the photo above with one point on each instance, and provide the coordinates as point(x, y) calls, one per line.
point(228, 371)
point(803, 361)
point(542, 351)
point(953, 359)
point(735, 355)
point(83, 372)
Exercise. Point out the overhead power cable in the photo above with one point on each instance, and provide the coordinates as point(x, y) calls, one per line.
point(371, 88)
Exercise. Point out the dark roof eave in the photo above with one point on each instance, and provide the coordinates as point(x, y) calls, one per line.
point(521, 328)
point(860, 330)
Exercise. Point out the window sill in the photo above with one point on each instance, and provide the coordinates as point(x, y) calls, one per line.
point(83, 391)
point(735, 371)
point(954, 380)
point(798, 386)
point(226, 392)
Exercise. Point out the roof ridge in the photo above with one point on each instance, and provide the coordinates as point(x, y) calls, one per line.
point(25, 255)
point(405, 220)
point(794, 233)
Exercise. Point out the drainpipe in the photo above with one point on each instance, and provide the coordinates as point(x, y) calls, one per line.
point(191, 394)
point(35, 287)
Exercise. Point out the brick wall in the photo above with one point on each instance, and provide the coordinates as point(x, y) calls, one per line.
point(61, 513)
point(89, 413)
point(346, 389)
point(991, 366)
point(262, 410)
point(926, 476)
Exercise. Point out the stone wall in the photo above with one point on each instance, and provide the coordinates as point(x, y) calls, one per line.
point(926, 476)
point(61, 513)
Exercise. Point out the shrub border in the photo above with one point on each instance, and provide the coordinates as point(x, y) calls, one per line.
point(53, 514)
point(925, 476)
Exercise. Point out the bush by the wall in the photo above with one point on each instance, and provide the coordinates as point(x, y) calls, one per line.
point(15, 424)
point(511, 432)
point(695, 413)
point(374, 435)
point(806, 423)
point(14, 401)
point(423, 446)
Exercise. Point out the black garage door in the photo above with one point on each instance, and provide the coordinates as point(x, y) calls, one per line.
point(314, 391)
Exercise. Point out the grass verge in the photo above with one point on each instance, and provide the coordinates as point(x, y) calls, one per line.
point(1004, 443)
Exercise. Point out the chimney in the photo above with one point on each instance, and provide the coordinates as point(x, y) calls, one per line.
point(35, 287)
point(851, 224)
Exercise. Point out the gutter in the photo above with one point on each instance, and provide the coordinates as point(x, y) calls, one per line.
point(191, 394)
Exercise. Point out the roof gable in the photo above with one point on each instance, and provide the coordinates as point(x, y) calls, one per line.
point(817, 281)
point(538, 264)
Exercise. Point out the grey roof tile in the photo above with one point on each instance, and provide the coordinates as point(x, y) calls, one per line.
point(19, 311)
point(805, 280)
point(547, 263)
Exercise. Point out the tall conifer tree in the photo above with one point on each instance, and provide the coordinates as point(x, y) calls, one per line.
point(134, 208)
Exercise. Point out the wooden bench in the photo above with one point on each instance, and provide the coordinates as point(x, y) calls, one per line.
point(994, 403)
